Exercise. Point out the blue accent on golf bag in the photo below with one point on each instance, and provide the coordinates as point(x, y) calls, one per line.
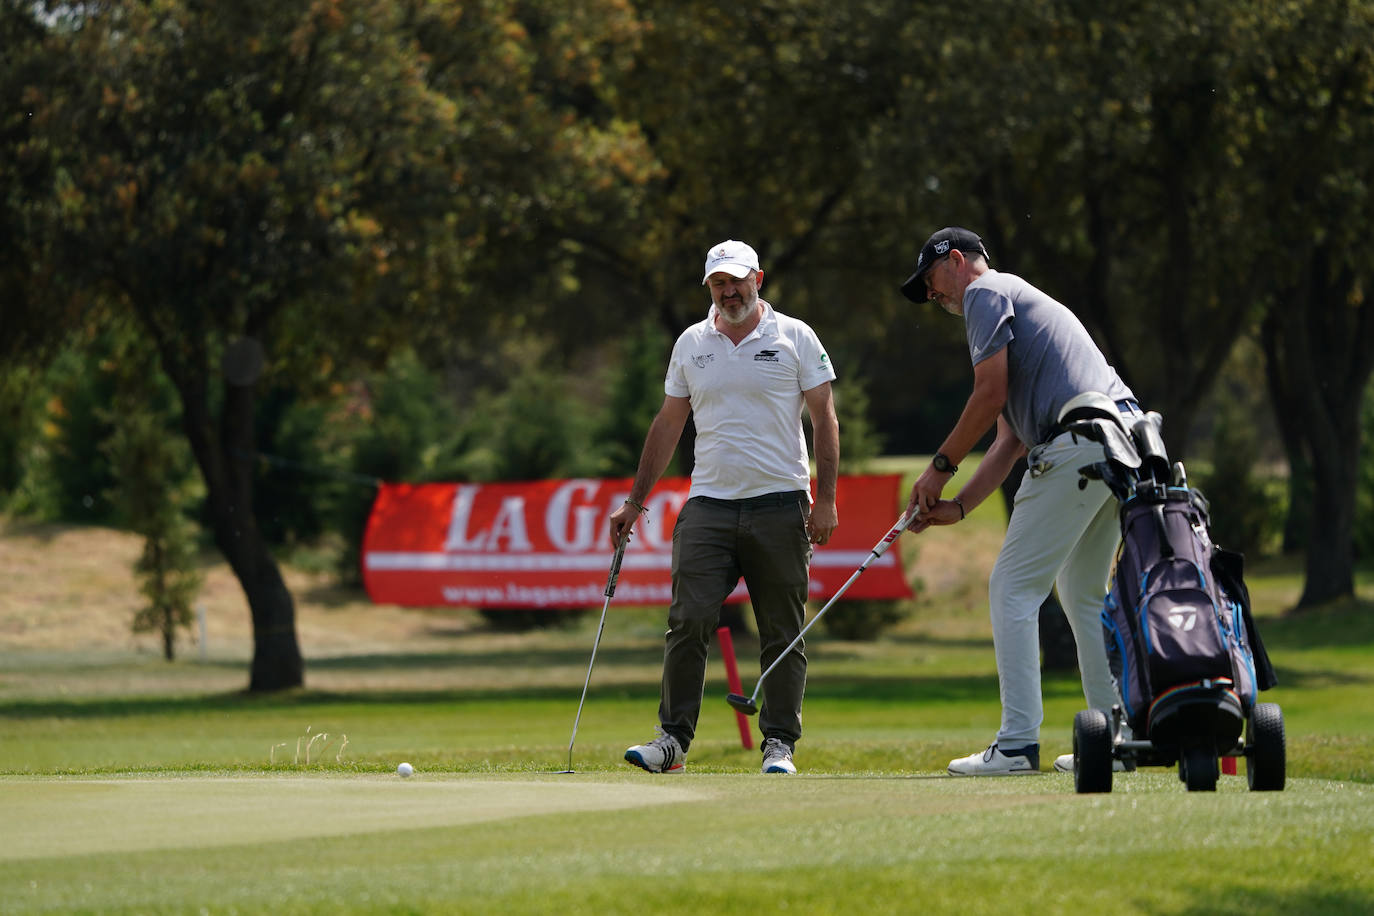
point(1170, 624)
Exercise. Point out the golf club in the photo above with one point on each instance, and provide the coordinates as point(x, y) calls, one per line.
point(610, 590)
point(749, 705)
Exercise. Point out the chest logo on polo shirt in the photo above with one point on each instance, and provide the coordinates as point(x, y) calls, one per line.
point(701, 361)
point(766, 356)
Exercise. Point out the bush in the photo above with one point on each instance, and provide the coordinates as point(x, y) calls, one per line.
point(863, 619)
point(1247, 511)
point(82, 381)
point(521, 620)
point(22, 394)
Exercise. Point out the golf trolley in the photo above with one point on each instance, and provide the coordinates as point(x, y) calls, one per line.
point(1182, 643)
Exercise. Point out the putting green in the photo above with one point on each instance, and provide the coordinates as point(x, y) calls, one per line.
point(65, 817)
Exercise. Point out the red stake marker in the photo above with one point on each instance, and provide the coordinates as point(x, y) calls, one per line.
point(727, 649)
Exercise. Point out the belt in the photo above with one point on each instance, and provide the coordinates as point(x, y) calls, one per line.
point(1126, 405)
point(786, 498)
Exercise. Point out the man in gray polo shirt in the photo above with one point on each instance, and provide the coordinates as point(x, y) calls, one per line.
point(1030, 356)
point(744, 374)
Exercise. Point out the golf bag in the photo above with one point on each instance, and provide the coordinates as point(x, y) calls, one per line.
point(1177, 621)
point(1179, 634)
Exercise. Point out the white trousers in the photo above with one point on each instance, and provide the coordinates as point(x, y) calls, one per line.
point(1063, 536)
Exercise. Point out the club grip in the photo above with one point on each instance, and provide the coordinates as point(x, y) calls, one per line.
point(615, 566)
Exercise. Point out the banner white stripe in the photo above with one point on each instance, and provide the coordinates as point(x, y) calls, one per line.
point(404, 561)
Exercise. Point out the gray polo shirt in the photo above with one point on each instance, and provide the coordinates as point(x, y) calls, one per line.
point(1050, 355)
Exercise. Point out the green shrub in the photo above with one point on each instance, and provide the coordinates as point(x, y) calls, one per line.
point(82, 381)
point(1247, 510)
point(22, 395)
point(863, 619)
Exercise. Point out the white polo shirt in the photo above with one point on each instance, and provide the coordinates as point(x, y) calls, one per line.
point(747, 403)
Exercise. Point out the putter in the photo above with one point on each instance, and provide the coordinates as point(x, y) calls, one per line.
point(610, 590)
point(749, 705)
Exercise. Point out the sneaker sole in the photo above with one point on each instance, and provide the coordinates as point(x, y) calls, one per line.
point(632, 757)
point(780, 769)
point(998, 773)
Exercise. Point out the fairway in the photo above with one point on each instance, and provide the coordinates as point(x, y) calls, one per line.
point(701, 842)
point(76, 817)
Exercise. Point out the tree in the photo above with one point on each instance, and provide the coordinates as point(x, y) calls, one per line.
point(279, 190)
point(1097, 153)
point(151, 471)
point(1315, 84)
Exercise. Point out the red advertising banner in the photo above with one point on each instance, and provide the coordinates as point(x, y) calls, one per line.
point(546, 544)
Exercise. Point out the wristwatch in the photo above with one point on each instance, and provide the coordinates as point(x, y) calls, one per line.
point(941, 464)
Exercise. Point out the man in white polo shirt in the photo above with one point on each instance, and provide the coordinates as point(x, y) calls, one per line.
point(743, 373)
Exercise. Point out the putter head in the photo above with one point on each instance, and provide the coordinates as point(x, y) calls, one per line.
point(742, 704)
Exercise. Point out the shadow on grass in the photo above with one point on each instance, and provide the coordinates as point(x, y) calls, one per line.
point(875, 690)
point(1346, 623)
point(479, 658)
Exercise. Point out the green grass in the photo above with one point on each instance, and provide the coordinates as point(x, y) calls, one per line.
point(168, 802)
point(130, 785)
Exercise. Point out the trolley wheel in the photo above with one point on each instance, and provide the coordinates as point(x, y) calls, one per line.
point(1265, 751)
point(1197, 767)
point(1092, 752)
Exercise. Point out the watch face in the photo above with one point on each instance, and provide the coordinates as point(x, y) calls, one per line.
point(941, 463)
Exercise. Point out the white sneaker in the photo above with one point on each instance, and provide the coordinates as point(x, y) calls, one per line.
point(777, 756)
point(1064, 764)
point(661, 755)
point(1019, 761)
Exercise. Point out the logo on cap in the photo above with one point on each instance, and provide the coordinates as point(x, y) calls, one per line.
point(942, 247)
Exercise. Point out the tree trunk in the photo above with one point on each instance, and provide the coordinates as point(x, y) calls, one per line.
point(1286, 416)
point(1317, 341)
point(225, 461)
point(1330, 543)
point(169, 634)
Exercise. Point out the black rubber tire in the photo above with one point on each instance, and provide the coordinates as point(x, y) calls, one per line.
point(1092, 752)
point(1197, 767)
point(1266, 754)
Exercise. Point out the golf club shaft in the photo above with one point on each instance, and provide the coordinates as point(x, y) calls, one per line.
point(610, 590)
point(878, 550)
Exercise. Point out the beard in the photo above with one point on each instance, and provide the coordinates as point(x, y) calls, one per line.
point(737, 311)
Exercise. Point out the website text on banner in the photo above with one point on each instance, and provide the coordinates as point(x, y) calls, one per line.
point(545, 543)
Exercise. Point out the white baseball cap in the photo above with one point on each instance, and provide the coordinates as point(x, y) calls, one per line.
point(732, 257)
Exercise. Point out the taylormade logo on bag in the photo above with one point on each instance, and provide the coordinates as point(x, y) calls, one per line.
point(1183, 620)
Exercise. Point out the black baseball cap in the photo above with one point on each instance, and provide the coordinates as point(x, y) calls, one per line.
point(937, 246)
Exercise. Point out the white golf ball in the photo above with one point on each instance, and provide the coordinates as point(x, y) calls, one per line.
point(405, 769)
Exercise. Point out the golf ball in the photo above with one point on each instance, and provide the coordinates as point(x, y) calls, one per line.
point(405, 769)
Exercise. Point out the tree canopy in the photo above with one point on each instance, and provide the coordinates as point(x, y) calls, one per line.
point(286, 193)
